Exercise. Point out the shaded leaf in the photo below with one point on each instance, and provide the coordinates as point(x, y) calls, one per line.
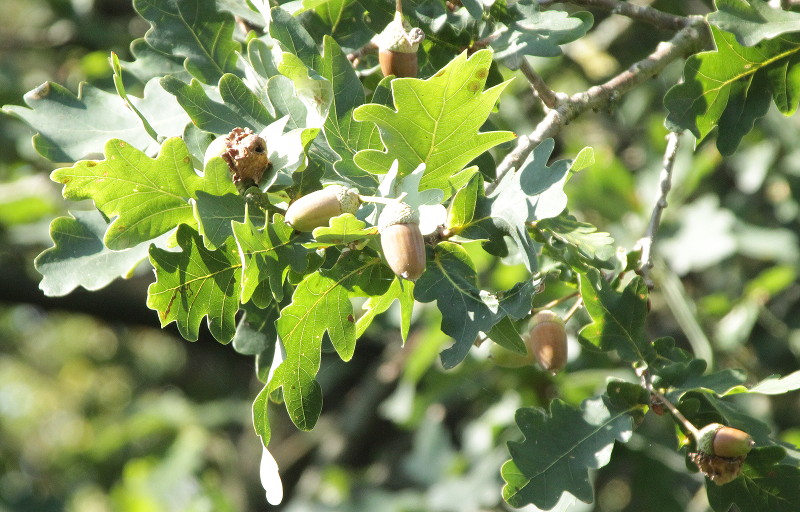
point(74, 127)
point(617, 317)
point(79, 258)
point(148, 196)
point(451, 280)
point(256, 332)
point(436, 122)
point(580, 241)
point(194, 30)
point(400, 290)
point(561, 447)
point(752, 21)
point(195, 283)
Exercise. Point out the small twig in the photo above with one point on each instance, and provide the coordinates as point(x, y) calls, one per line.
point(555, 302)
point(367, 49)
point(665, 180)
point(685, 41)
point(573, 309)
point(643, 13)
point(540, 88)
point(687, 425)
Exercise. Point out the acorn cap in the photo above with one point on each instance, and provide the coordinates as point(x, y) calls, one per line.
point(398, 36)
point(397, 213)
point(348, 198)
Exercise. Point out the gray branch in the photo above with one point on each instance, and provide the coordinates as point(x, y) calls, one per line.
point(643, 13)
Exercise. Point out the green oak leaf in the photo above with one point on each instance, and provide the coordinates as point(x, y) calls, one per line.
point(561, 447)
point(194, 30)
point(293, 37)
point(345, 135)
point(320, 304)
point(400, 290)
point(342, 230)
point(752, 21)
point(731, 87)
point(258, 69)
point(266, 253)
point(240, 107)
point(148, 196)
point(73, 127)
point(505, 334)
point(436, 122)
point(617, 317)
point(79, 258)
point(462, 207)
point(149, 63)
point(579, 241)
point(195, 283)
point(451, 280)
point(533, 192)
point(765, 484)
point(777, 386)
point(538, 33)
point(255, 332)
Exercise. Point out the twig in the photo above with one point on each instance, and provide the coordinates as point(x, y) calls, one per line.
point(573, 309)
point(643, 13)
point(684, 42)
point(665, 181)
point(555, 302)
point(548, 97)
point(687, 425)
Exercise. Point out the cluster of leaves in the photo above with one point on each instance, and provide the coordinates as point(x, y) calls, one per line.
point(283, 296)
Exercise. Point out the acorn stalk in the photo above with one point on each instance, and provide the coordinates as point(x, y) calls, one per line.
point(401, 240)
point(317, 208)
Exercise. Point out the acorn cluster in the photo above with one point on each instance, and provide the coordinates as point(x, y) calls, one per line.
point(401, 240)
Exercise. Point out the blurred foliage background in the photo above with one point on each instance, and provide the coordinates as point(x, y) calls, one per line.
point(101, 410)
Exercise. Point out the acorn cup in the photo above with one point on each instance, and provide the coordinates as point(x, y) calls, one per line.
point(317, 208)
point(721, 452)
point(397, 48)
point(548, 341)
point(401, 240)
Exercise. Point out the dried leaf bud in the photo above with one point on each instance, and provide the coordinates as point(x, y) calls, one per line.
point(317, 208)
point(548, 341)
point(245, 153)
point(402, 241)
point(397, 48)
point(716, 439)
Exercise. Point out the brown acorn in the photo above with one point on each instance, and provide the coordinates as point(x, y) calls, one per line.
point(397, 48)
point(317, 208)
point(548, 341)
point(401, 240)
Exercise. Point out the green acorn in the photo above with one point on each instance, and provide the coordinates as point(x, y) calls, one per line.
point(317, 208)
point(397, 48)
point(548, 341)
point(722, 441)
point(401, 240)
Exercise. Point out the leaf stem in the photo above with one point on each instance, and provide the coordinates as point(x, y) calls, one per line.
point(687, 425)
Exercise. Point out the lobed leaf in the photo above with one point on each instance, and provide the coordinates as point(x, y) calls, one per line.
point(752, 21)
point(195, 283)
point(561, 447)
point(436, 122)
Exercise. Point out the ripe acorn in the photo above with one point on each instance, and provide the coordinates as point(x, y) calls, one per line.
point(317, 208)
point(401, 240)
point(397, 48)
point(722, 441)
point(548, 341)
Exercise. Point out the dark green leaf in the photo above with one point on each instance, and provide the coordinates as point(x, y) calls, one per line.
point(505, 334)
point(195, 283)
point(617, 318)
point(400, 290)
point(580, 239)
point(560, 449)
point(451, 280)
point(195, 31)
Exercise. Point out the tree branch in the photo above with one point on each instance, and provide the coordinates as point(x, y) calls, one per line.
point(665, 181)
point(643, 13)
point(686, 41)
point(542, 90)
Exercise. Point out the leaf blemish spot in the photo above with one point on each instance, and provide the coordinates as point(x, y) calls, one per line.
point(482, 73)
point(474, 86)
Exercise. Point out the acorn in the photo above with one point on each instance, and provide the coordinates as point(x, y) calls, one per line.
point(722, 441)
point(548, 341)
point(401, 240)
point(317, 208)
point(397, 48)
